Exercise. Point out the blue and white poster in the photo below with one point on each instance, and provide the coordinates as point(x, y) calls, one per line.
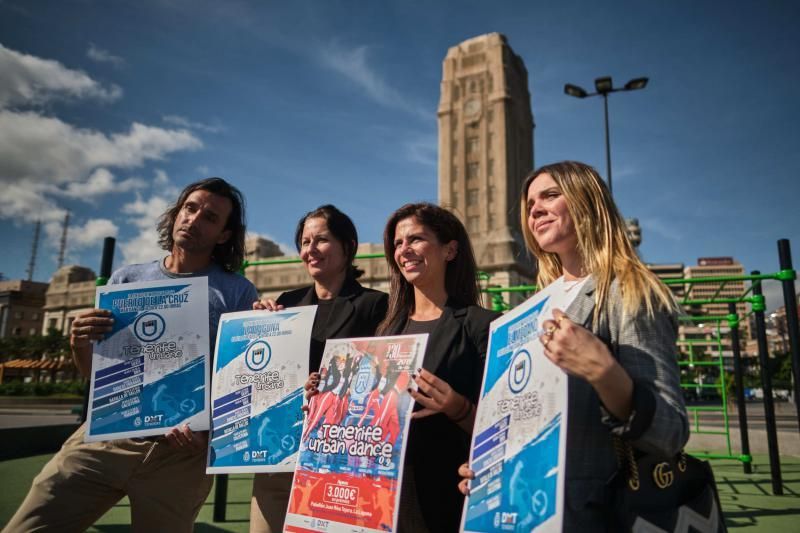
point(519, 440)
point(151, 372)
point(260, 368)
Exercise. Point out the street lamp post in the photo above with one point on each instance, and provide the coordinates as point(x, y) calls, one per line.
point(604, 87)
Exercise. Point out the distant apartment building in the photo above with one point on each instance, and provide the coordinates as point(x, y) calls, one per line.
point(670, 271)
point(21, 303)
point(701, 336)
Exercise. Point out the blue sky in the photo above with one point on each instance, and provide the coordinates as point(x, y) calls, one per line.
point(108, 108)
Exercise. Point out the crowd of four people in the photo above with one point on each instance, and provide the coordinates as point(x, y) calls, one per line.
point(616, 342)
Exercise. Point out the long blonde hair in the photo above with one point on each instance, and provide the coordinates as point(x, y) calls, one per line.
point(603, 243)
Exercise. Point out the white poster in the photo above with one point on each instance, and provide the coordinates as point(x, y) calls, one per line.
point(151, 372)
point(260, 368)
point(519, 440)
point(350, 468)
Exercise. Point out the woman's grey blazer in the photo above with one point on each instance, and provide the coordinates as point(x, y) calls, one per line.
point(646, 349)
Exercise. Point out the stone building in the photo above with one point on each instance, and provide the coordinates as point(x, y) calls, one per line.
point(71, 292)
point(21, 303)
point(486, 150)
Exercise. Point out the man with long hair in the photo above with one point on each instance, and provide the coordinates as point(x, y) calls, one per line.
point(164, 477)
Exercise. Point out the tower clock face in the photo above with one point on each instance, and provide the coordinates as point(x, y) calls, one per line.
point(472, 109)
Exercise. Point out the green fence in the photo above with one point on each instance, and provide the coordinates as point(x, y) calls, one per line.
point(691, 356)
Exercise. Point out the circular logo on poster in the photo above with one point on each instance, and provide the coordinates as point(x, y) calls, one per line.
point(257, 356)
point(187, 405)
point(149, 327)
point(520, 371)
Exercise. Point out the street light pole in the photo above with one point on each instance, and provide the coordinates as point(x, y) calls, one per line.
point(604, 86)
point(608, 145)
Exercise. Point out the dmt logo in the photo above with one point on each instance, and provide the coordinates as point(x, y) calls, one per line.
point(257, 356)
point(149, 327)
point(520, 371)
point(153, 419)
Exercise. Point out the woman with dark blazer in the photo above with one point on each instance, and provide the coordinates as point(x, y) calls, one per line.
point(327, 242)
point(434, 290)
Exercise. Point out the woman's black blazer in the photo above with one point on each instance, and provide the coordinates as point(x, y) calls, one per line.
point(356, 312)
point(456, 353)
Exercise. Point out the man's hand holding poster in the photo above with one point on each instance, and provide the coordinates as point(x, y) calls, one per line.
point(350, 467)
point(518, 443)
point(260, 368)
point(151, 371)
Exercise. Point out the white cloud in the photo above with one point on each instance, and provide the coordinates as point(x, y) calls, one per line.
point(183, 122)
point(352, 63)
point(30, 80)
point(659, 227)
point(100, 183)
point(91, 233)
point(25, 202)
point(50, 150)
point(103, 56)
point(203, 170)
point(144, 215)
point(161, 178)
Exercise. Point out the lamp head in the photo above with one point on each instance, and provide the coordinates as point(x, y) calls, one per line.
point(603, 85)
point(574, 90)
point(636, 83)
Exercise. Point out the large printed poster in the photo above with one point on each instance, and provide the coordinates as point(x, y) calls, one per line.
point(260, 368)
point(519, 440)
point(350, 467)
point(151, 372)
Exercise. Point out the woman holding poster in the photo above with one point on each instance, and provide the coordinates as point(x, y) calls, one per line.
point(616, 341)
point(434, 290)
point(327, 241)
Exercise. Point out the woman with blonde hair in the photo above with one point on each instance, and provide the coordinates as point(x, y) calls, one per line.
point(616, 341)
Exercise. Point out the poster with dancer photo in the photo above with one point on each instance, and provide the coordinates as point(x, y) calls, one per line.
point(519, 440)
point(150, 373)
point(350, 468)
point(260, 367)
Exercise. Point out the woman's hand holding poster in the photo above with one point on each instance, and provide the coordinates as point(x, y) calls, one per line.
point(260, 368)
point(349, 471)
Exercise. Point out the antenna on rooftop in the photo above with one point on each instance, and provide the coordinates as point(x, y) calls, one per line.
point(34, 247)
point(63, 246)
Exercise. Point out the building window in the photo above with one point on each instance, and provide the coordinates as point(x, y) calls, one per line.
point(32, 332)
point(18, 315)
point(472, 145)
point(489, 139)
point(492, 192)
point(490, 168)
point(454, 175)
point(472, 197)
point(473, 86)
point(489, 115)
point(489, 82)
point(455, 92)
point(52, 323)
point(35, 316)
point(472, 171)
point(70, 320)
point(455, 147)
point(472, 224)
point(284, 279)
point(491, 221)
point(17, 331)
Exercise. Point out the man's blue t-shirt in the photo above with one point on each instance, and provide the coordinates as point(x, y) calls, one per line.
point(227, 291)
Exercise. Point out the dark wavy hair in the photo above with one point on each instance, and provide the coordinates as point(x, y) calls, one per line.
point(460, 278)
point(340, 227)
point(230, 254)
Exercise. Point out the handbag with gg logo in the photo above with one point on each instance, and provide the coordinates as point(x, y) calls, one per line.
point(651, 495)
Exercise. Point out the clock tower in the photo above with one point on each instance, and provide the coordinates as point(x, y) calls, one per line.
point(486, 150)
